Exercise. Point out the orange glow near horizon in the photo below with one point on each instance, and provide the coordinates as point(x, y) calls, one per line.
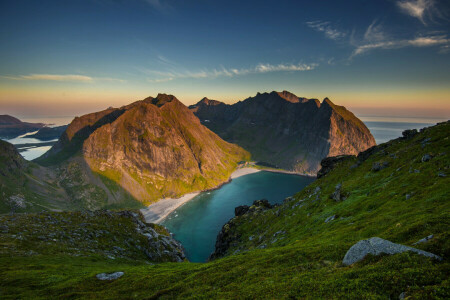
point(45, 101)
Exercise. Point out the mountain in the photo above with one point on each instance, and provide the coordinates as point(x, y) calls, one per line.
point(11, 127)
point(49, 133)
point(153, 148)
point(388, 199)
point(285, 131)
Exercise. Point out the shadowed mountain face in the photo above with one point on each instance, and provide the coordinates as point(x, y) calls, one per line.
point(286, 131)
point(151, 148)
point(11, 127)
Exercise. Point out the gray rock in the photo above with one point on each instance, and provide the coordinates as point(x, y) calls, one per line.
point(409, 133)
point(425, 239)
point(109, 276)
point(337, 196)
point(441, 174)
point(401, 296)
point(408, 196)
point(377, 246)
point(426, 157)
point(330, 218)
point(377, 166)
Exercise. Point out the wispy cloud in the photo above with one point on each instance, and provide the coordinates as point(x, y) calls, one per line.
point(160, 77)
point(416, 8)
point(56, 77)
point(422, 41)
point(327, 29)
point(375, 32)
point(161, 5)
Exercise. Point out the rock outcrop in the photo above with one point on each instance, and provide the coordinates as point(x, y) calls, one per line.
point(286, 131)
point(228, 236)
point(104, 233)
point(377, 246)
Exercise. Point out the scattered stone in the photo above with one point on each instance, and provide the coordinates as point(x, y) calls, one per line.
point(441, 174)
point(426, 157)
point(425, 142)
point(109, 276)
point(408, 196)
point(424, 240)
point(377, 246)
point(401, 296)
point(330, 218)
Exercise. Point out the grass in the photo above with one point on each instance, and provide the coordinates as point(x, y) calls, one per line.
point(304, 259)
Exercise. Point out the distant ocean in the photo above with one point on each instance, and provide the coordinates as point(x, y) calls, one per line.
point(387, 128)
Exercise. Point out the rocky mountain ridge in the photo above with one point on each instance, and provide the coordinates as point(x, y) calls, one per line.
point(286, 131)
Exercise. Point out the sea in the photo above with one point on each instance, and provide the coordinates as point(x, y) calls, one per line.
point(197, 223)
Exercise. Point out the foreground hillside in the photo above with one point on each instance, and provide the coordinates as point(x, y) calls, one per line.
point(397, 191)
point(286, 131)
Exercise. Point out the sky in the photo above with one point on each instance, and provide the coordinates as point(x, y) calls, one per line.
point(376, 57)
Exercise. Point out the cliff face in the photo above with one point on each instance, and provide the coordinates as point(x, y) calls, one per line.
point(287, 131)
point(151, 148)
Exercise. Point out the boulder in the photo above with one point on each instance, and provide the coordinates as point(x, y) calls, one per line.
point(262, 203)
point(109, 276)
point(426, 157)
point(377, 246)
point(328, 164)
point(337, 196)
point(407, 134)
point(241, 210)
point(330, 218)
point(377, 166)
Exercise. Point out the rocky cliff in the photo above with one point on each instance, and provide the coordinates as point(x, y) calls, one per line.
point(286, 131)
point(152, 148)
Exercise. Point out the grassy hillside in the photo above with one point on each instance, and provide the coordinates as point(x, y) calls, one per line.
point(399, 192)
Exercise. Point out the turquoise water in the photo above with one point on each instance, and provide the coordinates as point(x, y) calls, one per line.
point(197, 223)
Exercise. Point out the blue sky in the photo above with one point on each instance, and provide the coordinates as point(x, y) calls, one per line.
point(376, 57)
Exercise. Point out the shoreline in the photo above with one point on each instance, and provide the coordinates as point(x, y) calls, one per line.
point(158, 211)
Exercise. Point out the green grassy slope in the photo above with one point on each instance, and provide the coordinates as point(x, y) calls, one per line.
point(290, 251)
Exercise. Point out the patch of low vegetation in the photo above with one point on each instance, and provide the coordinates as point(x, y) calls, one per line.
point(397, 191)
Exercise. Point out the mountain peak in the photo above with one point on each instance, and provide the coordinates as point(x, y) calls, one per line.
point(288, 96)
point(162, 99)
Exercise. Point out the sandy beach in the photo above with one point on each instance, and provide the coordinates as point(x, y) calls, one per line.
point(158, 211)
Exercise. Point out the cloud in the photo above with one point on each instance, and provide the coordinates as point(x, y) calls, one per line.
point(68, 78)
point(224, 72)
point(327, 29)
point(374, 32)
point(160, 5)
point(423, 41)
point(416, 8)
